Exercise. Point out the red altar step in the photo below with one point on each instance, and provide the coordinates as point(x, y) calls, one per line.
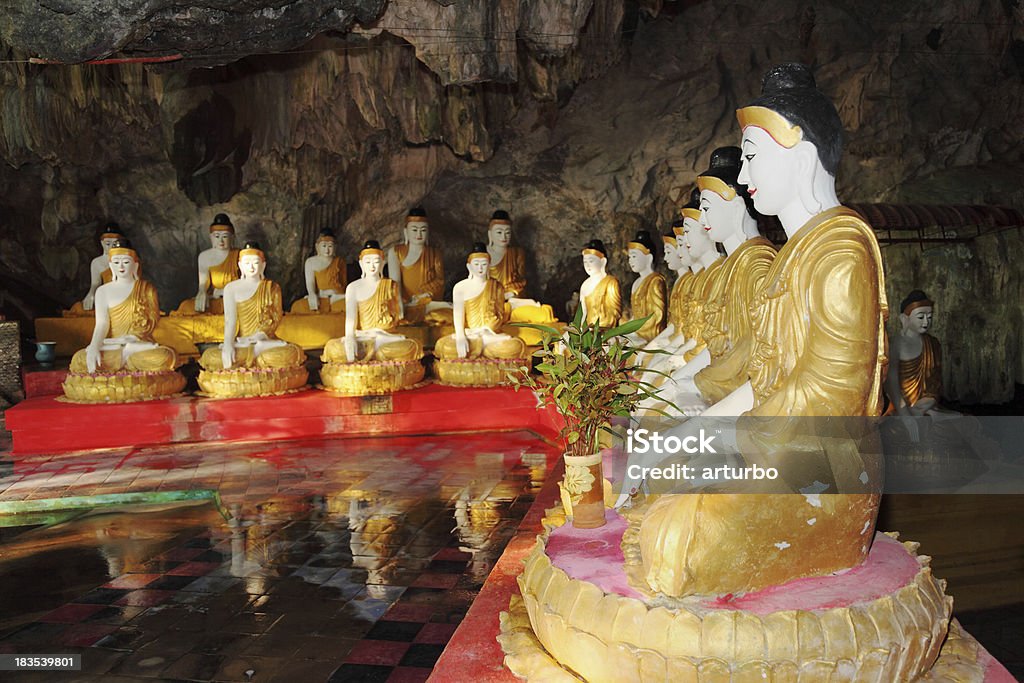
point(43, 381)
point(46, 425)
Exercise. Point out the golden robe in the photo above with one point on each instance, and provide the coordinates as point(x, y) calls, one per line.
point(819, 350)
point(377, 312)
point(424, 276)
point(137, 315)
point(701, 304)
point(220, 275)
point(486, 309)
point(649, 300)
point(921, 377)
point(743, 275)
point(511, 271)
point(604, 303)
point(261, 312)
point(679, 298)
point(332, 277)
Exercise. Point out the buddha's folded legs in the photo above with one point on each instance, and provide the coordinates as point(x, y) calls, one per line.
point(445, 348)
point(506, 348)
point(383, 348)
point(283, 356)
point(153, 359)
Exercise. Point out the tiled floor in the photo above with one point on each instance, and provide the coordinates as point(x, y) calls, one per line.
point(348, 560)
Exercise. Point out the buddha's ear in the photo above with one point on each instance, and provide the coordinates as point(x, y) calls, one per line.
point(807, 163)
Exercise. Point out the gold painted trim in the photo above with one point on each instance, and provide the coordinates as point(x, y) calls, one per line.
point(716, 185)
point(367, 252)
point(122, 251)
point(478, 254)
point(918, 304)
point(593, 252)
point(638, 247)
point(219, 226)
point(252, 252)
point(693, 214)
point(773, 123)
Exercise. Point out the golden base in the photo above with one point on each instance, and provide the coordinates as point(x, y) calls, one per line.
point(477, 372)
point(248, 382)
point(372, 378)
point(122, 387)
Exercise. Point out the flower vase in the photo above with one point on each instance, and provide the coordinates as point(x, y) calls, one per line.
point(583, 490)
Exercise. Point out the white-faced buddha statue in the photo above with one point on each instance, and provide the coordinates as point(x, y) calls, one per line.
point(648, 295)
point(99, 271)
point(325, 278)
point(217, 266)
point(418, 269)
point(600, 295)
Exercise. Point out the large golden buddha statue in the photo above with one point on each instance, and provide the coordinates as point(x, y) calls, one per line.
point(99, 271)
point(648, 294)
point(371, 358)
point(122, 362)
point(914, 381)
point(252, 361)
point(418, 269)
point(218, 266)
point(325, 278)
point(477, 353)
point(818, 350)
point(600, 295)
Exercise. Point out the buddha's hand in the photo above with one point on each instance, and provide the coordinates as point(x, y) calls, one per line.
point(314, 302)
point(461, 346)
point(93, 358)
point(677, 362)
point(421, 298)
point(350, 348)
point(227, 355)
point(201, 302)
point(88, 302)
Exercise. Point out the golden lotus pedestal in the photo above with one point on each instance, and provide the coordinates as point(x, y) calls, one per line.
point(371, 378)
point(477, 372)
point(251, 382)
point(122, 387)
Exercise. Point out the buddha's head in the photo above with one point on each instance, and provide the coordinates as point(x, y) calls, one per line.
point(417, 230)
point(680, 250)
point(326, 244)
point(595, 257)
point(792, 143)
point(371, 259)
point(499, 230)
point(252, 261)
point(478, 263)
point(124, 260)
point(916, 312)
point(671, 251)
point(693, 237)
point(723, 200)
point(222, 232)
point(640, 252)
point(110, 235)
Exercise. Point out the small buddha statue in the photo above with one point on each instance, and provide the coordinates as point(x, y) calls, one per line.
point(479, 313)
point(600, 296)
point(122, 361)
point(649, 292)
point(99, 271)
point(218, 266)
point(418, 268)
point(818, 350)
point(707, 262)
point(508, 262)
point(914, 380)
point(252, 361)
point(373, 309)
point(325, 278)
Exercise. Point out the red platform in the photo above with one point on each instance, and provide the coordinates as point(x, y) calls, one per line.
point(46, 425)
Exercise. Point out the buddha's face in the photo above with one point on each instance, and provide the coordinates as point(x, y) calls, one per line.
point(416, 232)
point(718, 216)
point(123, 267)
point(672, 257)
point(638, 260)
point(107, 243)
point(918, 320)
point(251, 266)
point(478, 267)
point(769, 170)
point(695, 239)
point(593, 264)
point(326, 247)
point(221, 239)
point(371, 265)
point(500, 235)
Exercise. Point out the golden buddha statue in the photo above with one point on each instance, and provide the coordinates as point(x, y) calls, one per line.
point(508, 262)
point(371, 357)
point(818, 350)
point(325, 278)
point(218, 266)
point(914, 383)
point(600, 296)
point(706, 289)
point(678, 261)
point(252, 361)
point(648, 295)
point(418, 268)
point(99, 271)
point(479, 314)
point(122, 362)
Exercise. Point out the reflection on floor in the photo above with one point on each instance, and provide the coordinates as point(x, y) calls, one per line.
point(347, 560)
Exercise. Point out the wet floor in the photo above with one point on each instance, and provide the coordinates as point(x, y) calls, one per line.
point(346, 560)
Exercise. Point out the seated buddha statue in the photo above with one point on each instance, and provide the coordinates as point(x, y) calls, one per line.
point(252, 361)
point(99, 271)
point(122, 362)
point(818, 350)
point(600, 296)
point(479, 312)
point(371, 357)
point(648, 295)
point(678, 262)
point(707, 262)
point(218, 266)
point(325, 278)
point(418, 268)
point(914, 381)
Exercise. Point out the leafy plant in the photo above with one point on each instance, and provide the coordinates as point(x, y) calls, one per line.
point(590, 376)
